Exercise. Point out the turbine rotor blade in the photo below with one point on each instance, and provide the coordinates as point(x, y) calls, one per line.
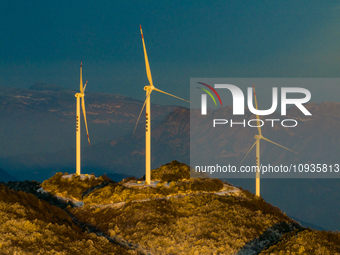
point(170, 94)
point(278, 144)
point(257, 117)
point(141, 112)
point(249, 151)
point(85, 86)
point(84, 112)
point(148, 71)
point(81, 77)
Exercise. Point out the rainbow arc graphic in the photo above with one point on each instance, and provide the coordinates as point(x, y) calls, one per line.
point(209, 93)
point(204, 97)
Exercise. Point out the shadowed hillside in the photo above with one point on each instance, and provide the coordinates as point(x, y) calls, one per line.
point(5, 177)
point(306, 241)
point(196, 216)
point(31, 226)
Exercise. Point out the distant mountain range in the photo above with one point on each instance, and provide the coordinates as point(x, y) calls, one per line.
point(316, 138)
point(5, 177)
point(124, 155)
point(42, 118)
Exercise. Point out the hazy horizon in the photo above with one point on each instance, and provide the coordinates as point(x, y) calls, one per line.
point(45, 42)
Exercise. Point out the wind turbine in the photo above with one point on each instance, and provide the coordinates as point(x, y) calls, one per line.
point(149, 88)
point(78, 96)
point(257, 142)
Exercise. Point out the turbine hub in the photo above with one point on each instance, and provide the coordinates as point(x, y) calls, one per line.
point(148, 87)
point(256, 137)
point(79, 95)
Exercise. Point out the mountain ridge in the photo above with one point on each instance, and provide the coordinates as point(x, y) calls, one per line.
point(34, 119)
point(5, 177)
point(194, 223)
point(170, 139)
point(171, 135)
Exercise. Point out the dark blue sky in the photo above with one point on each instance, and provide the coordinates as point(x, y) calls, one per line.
point(44, 41)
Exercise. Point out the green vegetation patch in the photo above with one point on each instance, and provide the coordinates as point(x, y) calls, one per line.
point(307, 241)
point(178, 174)
point(194, 224)
point(32, 226)
point(71, 188)
point(114, 193)
point(173, 171)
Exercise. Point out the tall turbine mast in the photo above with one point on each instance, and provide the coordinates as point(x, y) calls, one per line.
point(78, 141)
point(148, 90)
point(257, 142)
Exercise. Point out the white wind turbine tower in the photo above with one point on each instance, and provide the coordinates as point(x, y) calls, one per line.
point(149, 88)
point(78, 96)
point(257, 142)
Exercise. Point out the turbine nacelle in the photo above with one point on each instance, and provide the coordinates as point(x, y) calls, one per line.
point(151, 87)
point(79, 95)
point(148, 87)
point(258, 137)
